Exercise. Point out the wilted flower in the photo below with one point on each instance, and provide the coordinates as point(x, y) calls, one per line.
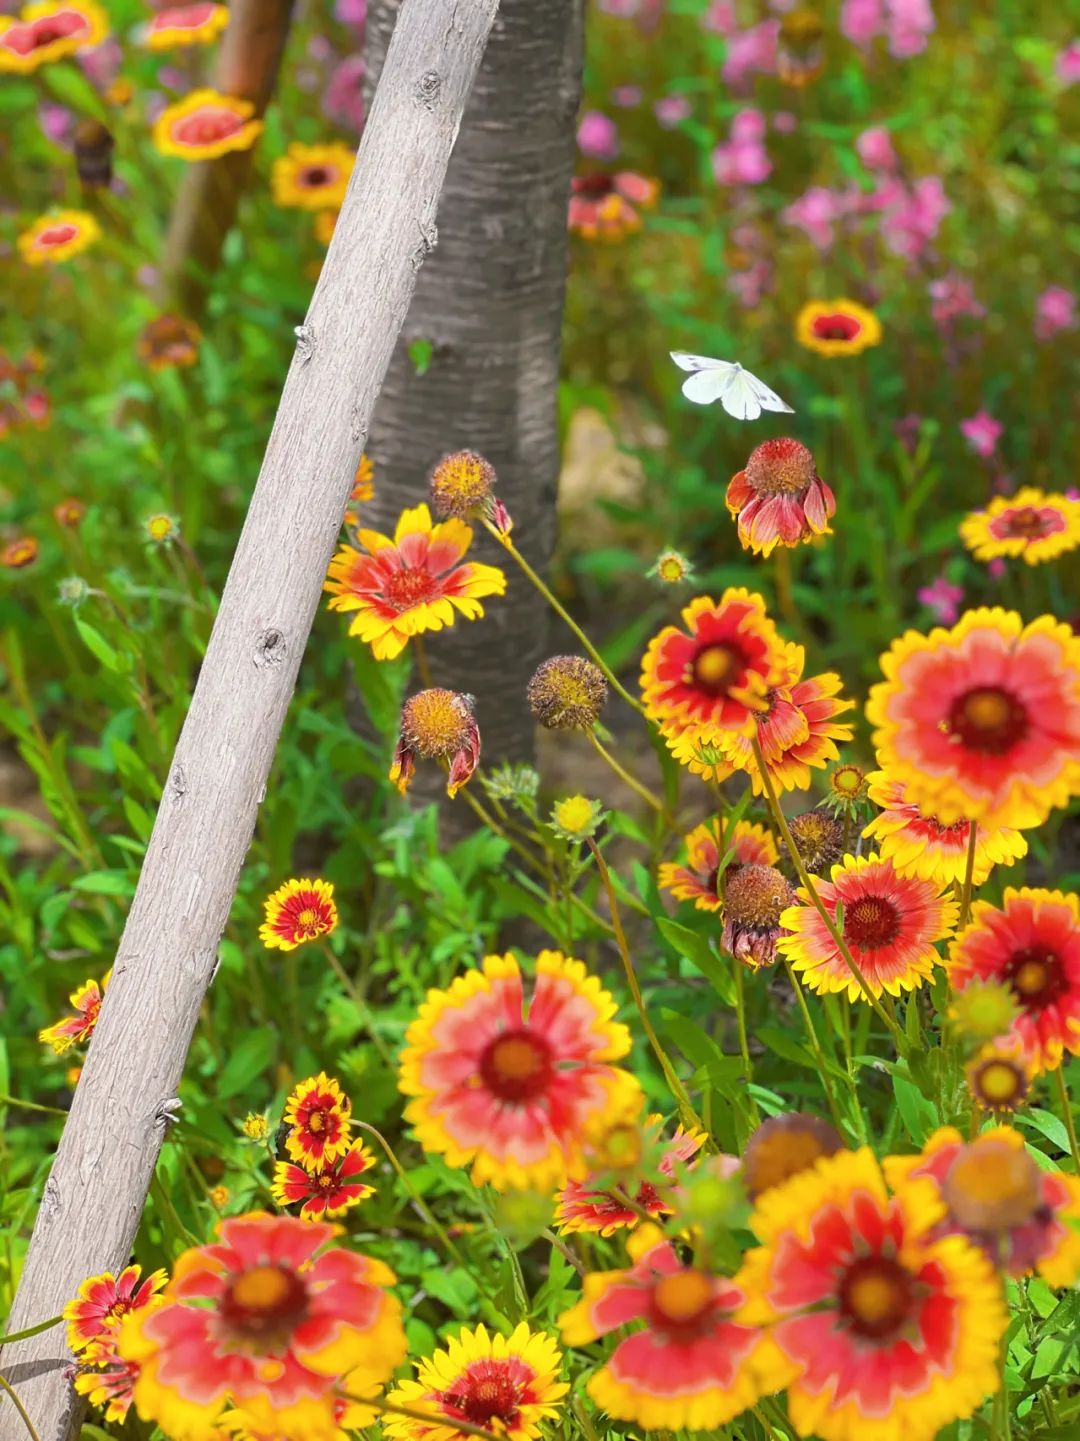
point(437, 724)
point(819, 839)
point(460, 484)
point(74, 1030)
point(754, 898)
point(168, 341)
point(606, 205)
point(779, 498)
point(567, 692)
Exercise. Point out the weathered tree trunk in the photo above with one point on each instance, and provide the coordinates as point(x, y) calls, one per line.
point(490, 303)
point(95, 1194)
point(246, 68)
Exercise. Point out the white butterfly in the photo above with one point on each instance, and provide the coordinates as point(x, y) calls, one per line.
point(740, 393)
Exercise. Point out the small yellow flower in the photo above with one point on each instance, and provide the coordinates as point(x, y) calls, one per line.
point(983, 1010)
point(672, 568)
point(255, 1127)
point(837, 327)
point(576, 818)
point(55, 238)
point(312, 177)
point(161, 528)
point(218, 1197)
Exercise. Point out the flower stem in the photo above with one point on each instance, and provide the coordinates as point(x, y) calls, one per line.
point(808, 886)
point(690, 1118)
point(421, 1205)
point(969, 873)
point(32, 1106)
point(1067, 1116)
point(744, 1042)
point(815, 1045)
point(360, 1003)
point(564, 615)
point(6, 1386)
point(624, 775)
point(380, 1404)
point(423, 669)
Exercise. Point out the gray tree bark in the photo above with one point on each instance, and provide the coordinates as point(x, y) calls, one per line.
point(490, 302)
point(95, 1193)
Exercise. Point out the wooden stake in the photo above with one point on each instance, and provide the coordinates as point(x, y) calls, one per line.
point(125, 1099)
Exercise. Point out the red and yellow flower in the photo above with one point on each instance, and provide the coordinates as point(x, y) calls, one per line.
point(586, 1206)
point(837, 327)
point(890, 926)
point(437, 724)
point(1024, 1218)
point(779, 498)
point(320, 1115)
point(168, 341)
point(103, 1301)
point(268, 1319)
point(410, 584)
point(1031, 524)
point(312, 177)
point(205, 125)
point(298, 912)
point(999, 1075)
point(692, 1365)
point(982, 722)
point(327, 1191)
point(510, 1087)
point(19, 553)
point(54, 238)
point(509, 1385)
point(919, 845)
point(69, 513)
point(607, 205)
point(75, 1030)
point(104, 1377)
point(750, 845)
point(49, 31)
point(783, 1146)
point(1033, 944)
point(715, 674)
point(184, 25)
point(880, 1329)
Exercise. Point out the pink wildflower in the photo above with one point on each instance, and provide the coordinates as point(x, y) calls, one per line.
point(908, 226)
point(815, 213)
point(875, 149)
point(953, 296)
point(907, 430)
point(909, 24)
point(862, 20)
point(1055, 310)
point(943, 598)
point(743, 159)
point(343, 101)
point(351, 12)
point(671, 109)
point(982, 432)
point(751, 52)
point(1067, 64)
point(720, 18)
point(785, 122)
point(626, 96)
point(598, 136)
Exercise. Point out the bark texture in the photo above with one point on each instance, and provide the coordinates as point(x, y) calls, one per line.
point(246, 68)
point(490, 302)
point(125, 1099)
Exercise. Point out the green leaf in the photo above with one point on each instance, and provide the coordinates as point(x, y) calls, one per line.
point(106, 883)
point(916, 1112)
point(252, 1057)
point(1047, 1124)
point(96, 643)
point(696, 949)
point(420, 353)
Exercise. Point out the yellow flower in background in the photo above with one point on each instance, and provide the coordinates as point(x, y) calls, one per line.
point(52, 239)
point(49, 31)
point(837, 327)
point(312, 177)
point(297, 912)
point(205, 125)
point(1030, 524)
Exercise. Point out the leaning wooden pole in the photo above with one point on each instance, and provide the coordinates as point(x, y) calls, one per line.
point(95, 1193)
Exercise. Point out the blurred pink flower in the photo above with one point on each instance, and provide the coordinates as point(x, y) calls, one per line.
point(621, 7)
point(320, 49)
point(908, 429)
point(912, 217)
point(57, 122)
point(996, 568)
point(982, 432)
point(743, 159)
point(943, 598)
point(875, 149)
point(953, 296)
point(101, 63)
point(861, 20)
point(343, 100)
point(671, 109)
point(351, 12)
point(147, 276)
point(721, 17)
point(1067, 64)
point(785, 122)
point(751, 52)
point(1055, 310)
point(814, 213)
point(905, 23)
point(598, 136)
point(626, 96)
point(748, 286)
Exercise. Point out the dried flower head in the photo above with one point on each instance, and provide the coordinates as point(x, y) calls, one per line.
point(515, 782)
point(69, 513)
point(168, 341)
point(72, 591)
point(819, 838)
point(992, 1186)
point(567, 693)
point(785, 1145)
point(753, 901)
point(576, 818)
point(672, 568)
point(461, 485)
point(437, 724)
point(20, 553)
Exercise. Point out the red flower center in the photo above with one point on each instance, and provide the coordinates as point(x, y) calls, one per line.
point(265, 1300)
point(1037, 978)
point(597, 186)
point(315, 176)
point(25, 39)
point(871, 921)
point(988, 719)
point(716, 668)
point(58, 234)
point(780, 467)
point(1026, 523)
point(836, 327)
point(487, 1392)
point(206, 127)
point(876, 1297)
point(681, 1302)
point(408, 587)
point(517, 1066)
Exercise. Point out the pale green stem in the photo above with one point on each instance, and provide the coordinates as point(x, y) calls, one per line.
point(1067, 1116)
point(20, 1408)
point(969, 874)
point(624, 775)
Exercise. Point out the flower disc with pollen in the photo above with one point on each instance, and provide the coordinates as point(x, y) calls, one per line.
point(461, 484)
point(567, 692)
point(437, 724)
point(754, 900)
point(779, 498)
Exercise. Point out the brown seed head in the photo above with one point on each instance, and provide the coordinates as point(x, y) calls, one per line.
point(567, 693)
point(461, 484)
point(437, 723)
point(780, 467)
point(992, 1186)
point(755, 896)
point(819, 838)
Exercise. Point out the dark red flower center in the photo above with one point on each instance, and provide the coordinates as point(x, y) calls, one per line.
point(871, 921)
point(1027, 523)
point(206, 127)
point(408, 587)
point(988, 719)
point(837, 326)
point(25, 39)
point(716, 668)
point(876, 1297)
point(597, 186)
point(315, 176)
point(58, 234)
point(1037, 977)
point(517, 1066)
point(487, 1392)
point(265, 1300)
point(679, 1304)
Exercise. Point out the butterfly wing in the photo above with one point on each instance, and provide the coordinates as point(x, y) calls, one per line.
point(685, 361)
point(705, 386)
point(767, 399)
point(738, 397)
